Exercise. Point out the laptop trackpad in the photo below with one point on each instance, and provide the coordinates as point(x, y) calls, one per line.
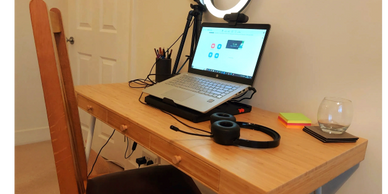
point(179, 95)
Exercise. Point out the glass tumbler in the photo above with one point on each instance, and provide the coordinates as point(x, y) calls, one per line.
point(335, 115)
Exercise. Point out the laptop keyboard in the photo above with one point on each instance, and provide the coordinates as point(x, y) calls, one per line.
point(202, 86)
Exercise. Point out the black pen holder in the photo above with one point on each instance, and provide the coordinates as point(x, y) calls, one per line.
point(163, 69)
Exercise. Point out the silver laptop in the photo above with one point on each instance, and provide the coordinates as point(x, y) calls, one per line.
point(225, 64)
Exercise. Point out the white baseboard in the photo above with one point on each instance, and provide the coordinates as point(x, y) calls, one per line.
point(27, 136)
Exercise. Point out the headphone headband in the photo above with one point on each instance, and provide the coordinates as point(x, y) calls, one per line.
point(226, 131)
point(258, 144)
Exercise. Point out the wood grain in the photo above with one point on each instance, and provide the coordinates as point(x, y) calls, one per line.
point(55, 107)
point(300, 164)
point(189, 164)
point(68, 92)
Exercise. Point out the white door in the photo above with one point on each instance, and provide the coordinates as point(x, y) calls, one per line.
point(100, 55)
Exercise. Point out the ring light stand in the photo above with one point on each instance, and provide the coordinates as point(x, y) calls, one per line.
point(197, 14)
point(198, 9)
point(232, 16)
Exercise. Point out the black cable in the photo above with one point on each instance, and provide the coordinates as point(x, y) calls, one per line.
point(144, 82)
point(177, 129)
point(100, 152)
point(184, 123)
point(239, 96)
point(140, 99)
point(250, 89)
point(133, 148)
point(148, 81)
point(179, 37)
point(184, 63)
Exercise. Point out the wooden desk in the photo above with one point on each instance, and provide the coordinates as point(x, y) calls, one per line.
point(300, 164)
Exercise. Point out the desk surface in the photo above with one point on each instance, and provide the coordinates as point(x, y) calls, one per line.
point(300, 164)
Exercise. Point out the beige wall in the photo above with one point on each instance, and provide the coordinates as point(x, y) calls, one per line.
point(30, 113)
point(315, 49)
point(155, 24)
point(326, 48)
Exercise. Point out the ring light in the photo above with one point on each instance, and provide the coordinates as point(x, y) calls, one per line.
point(221, 13)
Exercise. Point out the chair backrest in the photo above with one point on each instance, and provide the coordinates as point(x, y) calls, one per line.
point(59, 95)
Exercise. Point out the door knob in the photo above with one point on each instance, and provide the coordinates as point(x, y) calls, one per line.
point(71, 40)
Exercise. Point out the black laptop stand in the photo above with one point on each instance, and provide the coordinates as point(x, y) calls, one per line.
point(232, 108)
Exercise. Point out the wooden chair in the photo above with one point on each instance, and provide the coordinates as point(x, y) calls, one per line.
point(65, 128)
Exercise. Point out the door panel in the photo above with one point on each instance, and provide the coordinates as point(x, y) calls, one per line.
point(100, 55)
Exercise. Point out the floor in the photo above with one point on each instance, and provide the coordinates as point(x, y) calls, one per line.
point(35, 169)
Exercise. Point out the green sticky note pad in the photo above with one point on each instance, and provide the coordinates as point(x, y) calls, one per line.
point(294, 118)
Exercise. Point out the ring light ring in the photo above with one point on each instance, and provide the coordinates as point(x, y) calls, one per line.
point(221, 13)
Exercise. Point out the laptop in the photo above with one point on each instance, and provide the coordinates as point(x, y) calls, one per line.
point(226, 56)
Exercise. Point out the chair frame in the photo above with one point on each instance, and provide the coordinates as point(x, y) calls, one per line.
point(61, 103)
point(65, 126)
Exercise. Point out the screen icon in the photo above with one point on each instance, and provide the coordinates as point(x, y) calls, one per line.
point(234, 44)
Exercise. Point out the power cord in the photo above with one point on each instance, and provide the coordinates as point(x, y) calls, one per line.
point(143, 83)
point(141, 161)
point(133, 148)
point(184, 123)
point(100, 152)
point(249, 89)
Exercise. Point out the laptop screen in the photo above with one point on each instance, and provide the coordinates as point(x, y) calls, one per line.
point(230, 52)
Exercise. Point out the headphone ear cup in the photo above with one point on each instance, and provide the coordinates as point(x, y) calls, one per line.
point(221, 116)
point(225, 132)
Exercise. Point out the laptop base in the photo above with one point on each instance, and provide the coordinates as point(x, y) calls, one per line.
point(232, 108)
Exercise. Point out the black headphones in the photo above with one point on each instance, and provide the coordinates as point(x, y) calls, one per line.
point(225, 130)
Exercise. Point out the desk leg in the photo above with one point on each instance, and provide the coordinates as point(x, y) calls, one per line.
point(318, 191)
point(90, 137)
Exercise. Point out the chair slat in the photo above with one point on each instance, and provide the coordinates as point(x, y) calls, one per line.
point(56, 113)
point(55, 22)
point(70, 99)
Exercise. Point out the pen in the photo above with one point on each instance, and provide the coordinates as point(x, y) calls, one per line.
point(162, 53)
point(169, 55)
point(156, 52)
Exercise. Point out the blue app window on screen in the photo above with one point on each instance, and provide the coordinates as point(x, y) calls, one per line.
point(234, 44)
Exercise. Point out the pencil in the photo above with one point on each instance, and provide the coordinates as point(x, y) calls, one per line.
point(156, 52)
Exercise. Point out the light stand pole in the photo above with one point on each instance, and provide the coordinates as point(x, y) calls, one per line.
point(197, 14)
